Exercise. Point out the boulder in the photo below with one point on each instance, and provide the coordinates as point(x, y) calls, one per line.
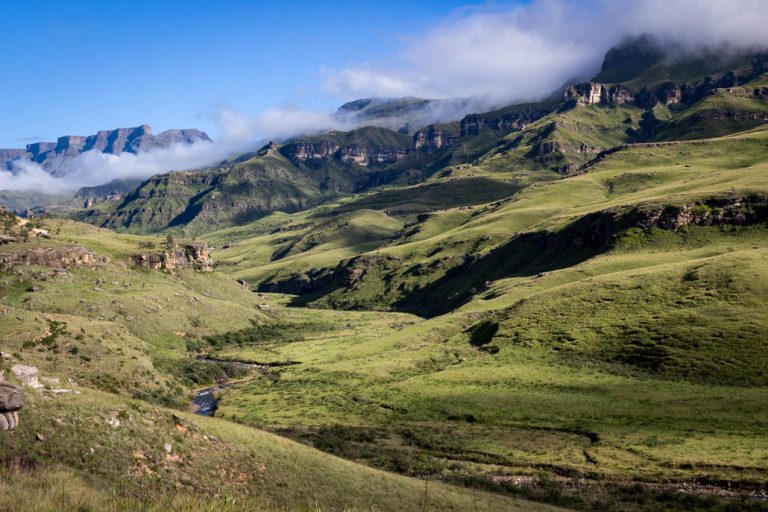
point(11, 397)
point(27, 375)
point(11, 400)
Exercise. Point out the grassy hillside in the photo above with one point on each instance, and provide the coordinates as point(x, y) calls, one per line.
point(110, 340)
point(572, 343)
point(113, 454)
point(723, 112)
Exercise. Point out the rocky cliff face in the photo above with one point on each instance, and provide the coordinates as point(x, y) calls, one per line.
point(590, 93)
point(669, 93)
point(194, 255)
point(552, 146)
point(732, 211)
point(303, 151)
point(53, 156)
point(360, 154)
point(517, 120)
point(371, 155)
point(432, 139)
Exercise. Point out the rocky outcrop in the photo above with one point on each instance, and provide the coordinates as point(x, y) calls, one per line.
point(673, 93)
point(552, 146)
point(193, 255)
point(517, 120)
point(583, 94)
point(59, 257)
point(432, 139)
point(53, 156)
point(667, 94)
point(371, 155)
point(735, 211)
point(303, 151)
point(590, 93)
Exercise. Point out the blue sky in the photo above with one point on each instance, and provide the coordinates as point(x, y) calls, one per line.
point(78, 66)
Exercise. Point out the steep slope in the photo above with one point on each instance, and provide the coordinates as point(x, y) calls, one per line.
point(411, 263)
point(296, 175)
point(231, 194)
point(721, 112)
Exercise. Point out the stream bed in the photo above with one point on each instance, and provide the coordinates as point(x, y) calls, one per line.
point(205, 401)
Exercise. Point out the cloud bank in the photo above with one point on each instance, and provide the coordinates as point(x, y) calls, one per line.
point(525, 51)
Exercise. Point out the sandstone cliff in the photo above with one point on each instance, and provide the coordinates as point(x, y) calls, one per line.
point(435, 137)
point(516, 119)
point(368, 146)
point(194, 255)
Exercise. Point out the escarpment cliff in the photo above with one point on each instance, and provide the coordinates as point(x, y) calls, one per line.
point(516, 119)
point(360, 154)
point(368, 146)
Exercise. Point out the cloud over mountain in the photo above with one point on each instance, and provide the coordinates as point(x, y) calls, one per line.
point(524, 51)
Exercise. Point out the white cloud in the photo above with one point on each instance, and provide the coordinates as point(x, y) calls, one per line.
point(27, 176)
point(275, 123)
point(525, 52)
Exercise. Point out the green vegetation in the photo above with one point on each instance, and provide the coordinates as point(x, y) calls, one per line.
point(634, 358)
point(725, 111)
point(571, 312)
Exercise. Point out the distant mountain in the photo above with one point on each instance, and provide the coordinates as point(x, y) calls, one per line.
point(54, 156)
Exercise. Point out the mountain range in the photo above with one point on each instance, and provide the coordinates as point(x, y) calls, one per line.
point(646, 96)
point(56, 157)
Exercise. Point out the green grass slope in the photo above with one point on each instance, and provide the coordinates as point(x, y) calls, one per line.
point(117, 454)
point(610, 355)
point(723, 112)
point(109, 341)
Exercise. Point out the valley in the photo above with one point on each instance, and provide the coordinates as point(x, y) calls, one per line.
point(556, 305)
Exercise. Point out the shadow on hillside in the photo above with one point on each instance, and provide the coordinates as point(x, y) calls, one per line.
point(435, 196)
point(526, 255)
